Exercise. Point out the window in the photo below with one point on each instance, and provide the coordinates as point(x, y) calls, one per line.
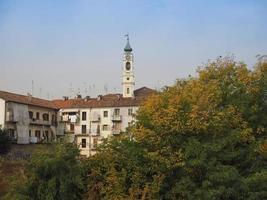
point(37, 115)
point(45, 117)
point(128, 66)
point(30, 133)
point(130, 111)
point(117, 112)
point(128, 78)
point(72, 127)
point(46, 135)
point(38, 134)
point(83, 143)
point(105, 127)
point(54, 120)
point(94, 143)
point(83, 116)
point(30, 114)
point(128, 90)
point(105, 113)
point(84, 129)
point(11, 133)
point(98, 129)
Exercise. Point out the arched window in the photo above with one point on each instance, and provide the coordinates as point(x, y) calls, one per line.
point(128, 66)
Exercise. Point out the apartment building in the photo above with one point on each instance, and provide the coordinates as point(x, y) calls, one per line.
point(86, 121)
point(89, 120)
point(28, 119)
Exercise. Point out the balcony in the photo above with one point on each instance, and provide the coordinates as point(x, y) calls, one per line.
point(95, 133)
point(10, 117)
point(116, 118)
point(40, 122)
point(65, 118)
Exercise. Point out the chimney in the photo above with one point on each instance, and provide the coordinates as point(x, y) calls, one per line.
point(78, 96)
point(99, 97)
point(87, 98)
point(65, 98)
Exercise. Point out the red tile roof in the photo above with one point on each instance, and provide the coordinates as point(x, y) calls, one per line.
point(109, 100)
point(28, 100)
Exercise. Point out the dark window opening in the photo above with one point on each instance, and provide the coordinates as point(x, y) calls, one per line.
point(37, 115)
point(83, 143)
point(71, 127)
point(83, 128)
point(30, 114)
point(83, 116)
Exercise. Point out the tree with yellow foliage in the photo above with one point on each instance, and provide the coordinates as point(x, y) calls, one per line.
point(203, 138)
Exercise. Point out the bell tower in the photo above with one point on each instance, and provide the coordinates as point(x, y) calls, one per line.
point(128, 81)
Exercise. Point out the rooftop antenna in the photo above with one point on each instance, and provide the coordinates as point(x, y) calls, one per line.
point(90, 89)
point(85, 88)
point(93, 88)
point(40, 92)
point(70, 90)
point(106, 88)
point(32, 87)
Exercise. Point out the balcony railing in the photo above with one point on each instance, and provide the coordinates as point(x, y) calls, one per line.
point(117, 118)
point(41, 122)
point(70, 118)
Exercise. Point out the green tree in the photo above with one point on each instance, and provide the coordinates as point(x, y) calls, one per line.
point(56, 175)
point(208, 132)
point(203, 138)
point(4, 142)
point(122, 170)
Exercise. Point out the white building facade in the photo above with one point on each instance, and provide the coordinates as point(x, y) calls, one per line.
point(90, 120)
point(86, 121)
point(28, 119)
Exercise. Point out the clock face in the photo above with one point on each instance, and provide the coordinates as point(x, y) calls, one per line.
point(128, 66)
point(128, 57)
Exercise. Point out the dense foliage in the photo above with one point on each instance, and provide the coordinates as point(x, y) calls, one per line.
point(54, 175)
point(203, 138)
point(4, 142)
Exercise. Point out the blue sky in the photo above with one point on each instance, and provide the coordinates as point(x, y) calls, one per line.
point(79, 44)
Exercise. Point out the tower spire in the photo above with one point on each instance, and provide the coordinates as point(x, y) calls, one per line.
point(128, 47)
point(128, 80)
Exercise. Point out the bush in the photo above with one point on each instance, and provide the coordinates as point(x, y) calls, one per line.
point(4, 142)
